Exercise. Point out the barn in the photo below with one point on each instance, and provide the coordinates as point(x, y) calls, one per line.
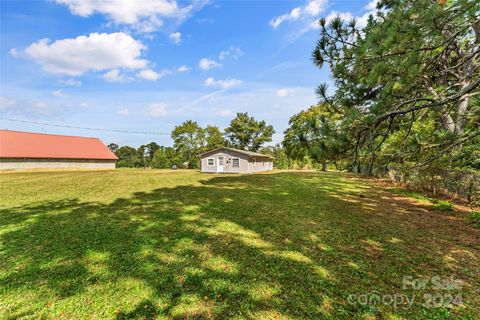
point(230, 160)
point(28, 150)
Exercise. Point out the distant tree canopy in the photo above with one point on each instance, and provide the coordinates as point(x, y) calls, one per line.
point(113, 147)
point(246, 133)
point(214, 137)
point(406, 88)
point(128, 157)
point(164, 158)
point(190, 140)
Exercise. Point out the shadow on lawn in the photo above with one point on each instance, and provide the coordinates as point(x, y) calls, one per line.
point(252, 246)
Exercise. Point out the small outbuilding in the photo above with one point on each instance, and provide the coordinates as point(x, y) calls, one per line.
point(27, 150)
point(230, 160)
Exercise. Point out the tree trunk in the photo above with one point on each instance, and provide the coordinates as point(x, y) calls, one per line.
point(324, 166)
point(462, 111)
point(448, 123)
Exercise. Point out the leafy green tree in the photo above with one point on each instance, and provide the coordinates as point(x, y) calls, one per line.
point(280, 158)
point(128, 157)
point(146, 152)
point(315, 133)
point(416, 63)
point(142, 155)
point(245, 132)
point(163, 158)
point(189, 141)
point(113, 147)
point(214, 137)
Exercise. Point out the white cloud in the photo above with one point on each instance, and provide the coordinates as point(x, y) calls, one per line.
point(14, 53)
point(123, 112)
point(283, 92)
point(207, 64)
point(372, 5)
point(59, 94)
point(5, 103)
point(97, 51)
point(224, 113)
point(223, 84)
point(232, 52)
point(157, 110)
point(291, 16)
point(143, 15)
point(71, 82)
point(149, 74)
point(149, 25)
point(175, 37)
point(114, 76)
point(315, 7)
point(28, 108)
point(183, 69)
point(311, 9)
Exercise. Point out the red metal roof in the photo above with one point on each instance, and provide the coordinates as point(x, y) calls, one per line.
point(17, 144)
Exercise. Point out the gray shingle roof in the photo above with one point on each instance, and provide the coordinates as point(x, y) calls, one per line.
point(248, 153)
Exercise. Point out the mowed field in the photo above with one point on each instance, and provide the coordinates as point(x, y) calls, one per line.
point(153, 244)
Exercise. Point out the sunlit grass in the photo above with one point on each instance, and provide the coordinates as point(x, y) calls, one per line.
point(158, 244)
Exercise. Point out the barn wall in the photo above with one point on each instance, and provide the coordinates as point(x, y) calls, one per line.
point(26, 164)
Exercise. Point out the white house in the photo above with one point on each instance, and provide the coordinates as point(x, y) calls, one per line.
point(230, 160)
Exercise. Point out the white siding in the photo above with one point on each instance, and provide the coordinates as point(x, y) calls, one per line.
point(261, 164)
point(26, 164)
point(245, 165)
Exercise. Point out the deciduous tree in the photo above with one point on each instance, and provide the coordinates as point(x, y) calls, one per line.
point(245, 132)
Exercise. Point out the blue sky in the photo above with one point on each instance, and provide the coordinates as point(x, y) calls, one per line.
point(149, 65)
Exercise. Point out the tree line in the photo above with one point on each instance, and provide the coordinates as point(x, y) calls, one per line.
point(190, 140)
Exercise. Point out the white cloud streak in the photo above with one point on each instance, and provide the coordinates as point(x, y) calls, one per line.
point(208, 64)
point(223, 84)
point(114, 76)
point(71, 82)
point(183, 69)
point(232, 52)
point(149, 74)
point(123, 112)
point(157, 110)
point(311, 9)
point(59, 94)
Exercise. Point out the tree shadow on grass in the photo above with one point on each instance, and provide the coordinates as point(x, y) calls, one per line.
point(253, 246)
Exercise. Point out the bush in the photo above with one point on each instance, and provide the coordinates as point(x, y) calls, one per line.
point(442, 205)
point(462, 184)
point(475, 217)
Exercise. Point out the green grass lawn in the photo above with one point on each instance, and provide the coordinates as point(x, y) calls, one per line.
point(146, 244)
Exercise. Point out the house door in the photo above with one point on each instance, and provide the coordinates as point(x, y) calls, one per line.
point(220, 164)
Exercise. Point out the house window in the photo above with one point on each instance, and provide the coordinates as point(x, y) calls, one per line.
point(235, 162)
point(254, 162)
point(210, 162)
point(220, 161)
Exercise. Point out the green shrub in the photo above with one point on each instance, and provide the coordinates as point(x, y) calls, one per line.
point(442, 205)
point(475, 217)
